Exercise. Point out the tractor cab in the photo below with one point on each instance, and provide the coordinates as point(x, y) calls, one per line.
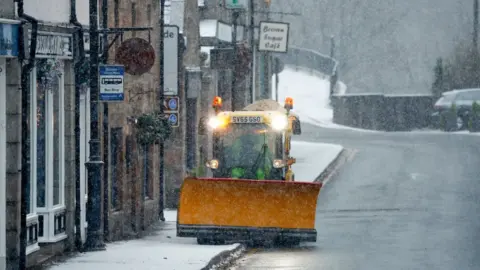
point(251, 143)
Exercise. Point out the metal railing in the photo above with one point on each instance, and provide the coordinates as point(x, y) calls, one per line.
point(313, 61)
point(309, 59)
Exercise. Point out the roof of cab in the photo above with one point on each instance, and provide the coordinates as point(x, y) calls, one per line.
point(267, 105)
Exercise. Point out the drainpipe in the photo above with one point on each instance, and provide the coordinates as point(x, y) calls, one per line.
point(106, 130)
point(25, 144)
point(79, 60)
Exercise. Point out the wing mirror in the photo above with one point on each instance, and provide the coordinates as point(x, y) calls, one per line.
point(297, 129)
point(202, 126)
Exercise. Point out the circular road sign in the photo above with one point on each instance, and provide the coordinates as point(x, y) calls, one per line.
point(137, 55)
point(172, 104)
point(173, 119)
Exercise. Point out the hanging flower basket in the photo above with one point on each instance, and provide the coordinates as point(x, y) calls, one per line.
point(152, 128)
point(48, 72)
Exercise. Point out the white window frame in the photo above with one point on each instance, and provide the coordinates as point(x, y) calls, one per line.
point(3, 162)
point(84, 157)
point(50, 210)
point(32, 217)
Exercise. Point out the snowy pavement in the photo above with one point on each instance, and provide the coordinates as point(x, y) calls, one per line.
point(312, 159)
point(161, 250)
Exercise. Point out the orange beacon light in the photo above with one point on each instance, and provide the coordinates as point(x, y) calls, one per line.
point(217, 103)
point(288, 103)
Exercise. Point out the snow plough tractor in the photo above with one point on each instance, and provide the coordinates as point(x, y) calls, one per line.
point(251, 194)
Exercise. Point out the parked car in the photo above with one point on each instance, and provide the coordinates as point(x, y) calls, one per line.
point(463, 100)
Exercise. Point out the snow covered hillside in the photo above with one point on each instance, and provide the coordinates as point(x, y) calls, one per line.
point(310, 94)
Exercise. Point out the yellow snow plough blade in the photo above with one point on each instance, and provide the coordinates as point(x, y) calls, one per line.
point(233, 209)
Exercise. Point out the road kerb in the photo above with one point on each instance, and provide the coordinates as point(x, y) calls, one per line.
point(332, 168)
point(225, 258)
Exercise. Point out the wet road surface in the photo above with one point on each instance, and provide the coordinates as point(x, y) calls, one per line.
point(405, 201)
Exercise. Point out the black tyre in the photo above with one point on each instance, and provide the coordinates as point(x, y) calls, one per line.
point(210, 241)
point(203, 241)
point(287, 242)
point(449, 122)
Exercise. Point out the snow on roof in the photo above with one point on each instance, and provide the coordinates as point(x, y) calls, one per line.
point(208, 28)
point(174, 11)
point(206, 49)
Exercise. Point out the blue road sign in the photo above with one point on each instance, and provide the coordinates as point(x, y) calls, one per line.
point(173, 118)
point(172, 104)
point(111, 82)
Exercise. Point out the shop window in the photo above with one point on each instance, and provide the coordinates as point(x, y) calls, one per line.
point(116, 163)
point(3, 157)
point(147, 173)
point(41, 140)
point(48, 150)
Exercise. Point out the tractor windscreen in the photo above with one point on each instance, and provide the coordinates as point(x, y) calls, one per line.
point(247, 151)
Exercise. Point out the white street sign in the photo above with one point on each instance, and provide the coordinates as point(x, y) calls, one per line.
point(111, 82)
point(273, 37)
point(170, 57)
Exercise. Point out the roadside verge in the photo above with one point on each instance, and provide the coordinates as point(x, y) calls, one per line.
point(226, 258)
point(333, 167)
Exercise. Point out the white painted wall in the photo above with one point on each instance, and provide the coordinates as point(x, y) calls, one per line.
point(56, 11)
point(83, 14)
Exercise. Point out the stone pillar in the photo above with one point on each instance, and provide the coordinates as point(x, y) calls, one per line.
point(13, 166)
point(69, 153)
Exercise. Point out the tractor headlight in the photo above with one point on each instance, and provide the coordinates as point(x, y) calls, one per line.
point(212, 164)
point(214, 122)
point(278, 163)
point(280, 122)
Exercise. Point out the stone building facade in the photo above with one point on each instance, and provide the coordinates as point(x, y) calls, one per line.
point(50, 181)
point(133, 180)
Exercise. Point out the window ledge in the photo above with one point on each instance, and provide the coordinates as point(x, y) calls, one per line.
point(54, 239)
point(32, 218)
point(32, 248)
point(54, 210)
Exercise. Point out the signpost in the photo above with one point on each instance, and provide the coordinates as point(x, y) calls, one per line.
point(137, 56)
point(111, 82)
point(170, 54)
point(171, 103)
point(171, 106)
point(273, 37)
point(172, 118)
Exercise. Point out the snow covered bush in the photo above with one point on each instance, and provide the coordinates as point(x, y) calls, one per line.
point(152, 128)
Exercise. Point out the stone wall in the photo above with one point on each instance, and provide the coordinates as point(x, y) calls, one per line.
point(383, 112)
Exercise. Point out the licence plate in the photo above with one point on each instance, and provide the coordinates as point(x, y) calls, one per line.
point(247, 119)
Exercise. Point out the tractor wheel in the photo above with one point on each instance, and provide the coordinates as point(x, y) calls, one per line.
point(287, 242)
point(210, 241)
